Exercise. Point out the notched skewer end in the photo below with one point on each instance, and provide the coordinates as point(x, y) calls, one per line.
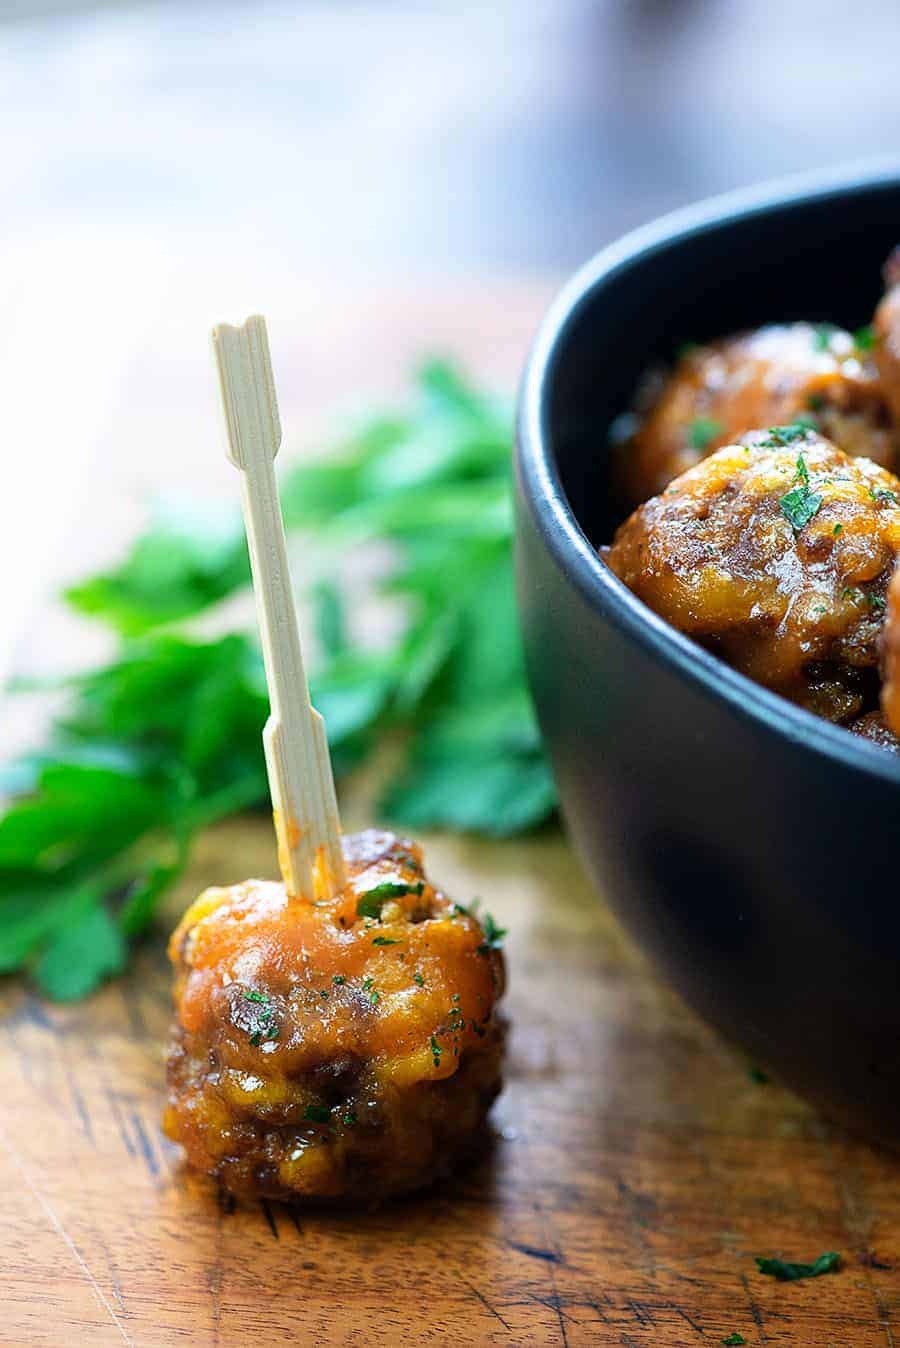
point(247, 384)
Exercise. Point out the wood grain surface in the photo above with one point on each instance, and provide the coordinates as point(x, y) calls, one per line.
point(637, 1167)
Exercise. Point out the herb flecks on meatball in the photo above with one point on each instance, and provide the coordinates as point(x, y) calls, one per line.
point(767, 377)
point(776, 553)
point(348, 1049)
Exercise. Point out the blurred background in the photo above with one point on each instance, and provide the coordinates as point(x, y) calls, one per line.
point(382, 177)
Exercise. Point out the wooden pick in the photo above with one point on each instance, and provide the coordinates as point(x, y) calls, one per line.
point(297, 760)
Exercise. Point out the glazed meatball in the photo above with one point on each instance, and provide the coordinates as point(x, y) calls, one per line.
point(776, 553)
point(762, 378)
point(890, 692)
point(886, 328)
point(339, 1050)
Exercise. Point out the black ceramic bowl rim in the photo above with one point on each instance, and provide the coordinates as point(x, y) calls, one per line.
point(557, 524)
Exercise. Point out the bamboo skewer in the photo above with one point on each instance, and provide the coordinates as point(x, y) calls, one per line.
point(301, 782)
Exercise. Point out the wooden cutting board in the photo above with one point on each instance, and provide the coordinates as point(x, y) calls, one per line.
point(636, 1170)
point(637, 1166)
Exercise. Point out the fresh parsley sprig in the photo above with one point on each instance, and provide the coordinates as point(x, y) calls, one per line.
point(165, 738)
point(789, 1272)
point(800, 504)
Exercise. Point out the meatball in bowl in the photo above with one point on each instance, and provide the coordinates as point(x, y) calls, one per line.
point(705, 562)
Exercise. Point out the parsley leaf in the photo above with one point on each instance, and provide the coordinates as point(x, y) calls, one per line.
point(779, 437)
point(785, 1272)
point(864, 338)
point(800, 504)
point(371, 903)
point(733, 1340)
point(317, 1114)
point(493, 935)
point(822, 335)
point(165, 738)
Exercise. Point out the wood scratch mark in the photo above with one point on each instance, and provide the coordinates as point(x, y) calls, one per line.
point(858, 1220)
point(113, 1274)
point(536, 1252)
point(754, 1309)
point(295, 1218)
point(119, 1120)
point(642, 1314)
point(487, 1305)
point(144, 1144)
point(557, 1303)
point(688, 1319)
point(62, 1232)
point(270, 1218)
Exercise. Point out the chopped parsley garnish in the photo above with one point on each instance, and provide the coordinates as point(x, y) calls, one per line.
point(383, 940)
point(493, 935)
point(419, 980)
point(324, 994)
point(852, 592)
point(339, 980)
point(317, 1114)
point(781, 436)
point(348, 1119)
point(75, 905)
point(265, 1022)
point(877, 602)
point(435, 1052)
point(786, 1272)
point(734, 1340)
point(822, 335)
point(883, 494)
point(371, 903)
point(815, 402)
point(702, 431)
point(864, 338)
point(368, 985)
point(799, 505)
point(838, 530)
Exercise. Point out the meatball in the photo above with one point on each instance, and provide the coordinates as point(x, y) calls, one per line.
point(761, 378)
point(347, 1049)
point(776, 553)
point(890, 692)
point(886, 331)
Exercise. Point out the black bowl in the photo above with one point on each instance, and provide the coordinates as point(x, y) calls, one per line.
point(749, 846)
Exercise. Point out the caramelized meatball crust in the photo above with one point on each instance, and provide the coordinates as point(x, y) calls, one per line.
point(340, 1050)
point(776, 553)
point(890, 690)
point(763, 378)
point(886, 326)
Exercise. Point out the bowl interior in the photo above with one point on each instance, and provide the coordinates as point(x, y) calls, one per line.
point(700, 275)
